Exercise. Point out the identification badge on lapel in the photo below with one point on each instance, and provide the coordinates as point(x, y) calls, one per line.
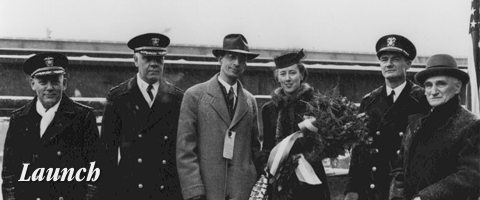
point(228, 144)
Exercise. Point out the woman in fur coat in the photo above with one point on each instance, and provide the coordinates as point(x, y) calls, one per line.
point(280, 117)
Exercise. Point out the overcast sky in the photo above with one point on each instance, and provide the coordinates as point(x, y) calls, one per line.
point(434, 26)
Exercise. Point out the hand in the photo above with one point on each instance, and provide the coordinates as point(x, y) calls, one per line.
point(351, 196)
point(306, 124)
point(417, 198)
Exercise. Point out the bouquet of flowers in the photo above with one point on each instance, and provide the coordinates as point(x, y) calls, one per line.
point(332, 125)
point(339, 124)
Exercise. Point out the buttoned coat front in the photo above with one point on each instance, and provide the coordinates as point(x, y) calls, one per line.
point(70, 141)
point(144, 138)
point(204, 123)
point(371, 162)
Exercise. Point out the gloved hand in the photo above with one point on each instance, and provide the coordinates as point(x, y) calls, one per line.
point(306, 124)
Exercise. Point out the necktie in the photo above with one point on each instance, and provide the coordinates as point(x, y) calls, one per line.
point(149, 91)
point(391, 97)
point(230, 101)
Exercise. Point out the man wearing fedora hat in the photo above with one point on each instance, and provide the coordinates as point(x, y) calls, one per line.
point(139, 127)
point(441, 149)
point(388, 108)
point(218, 130)
point(49, 132)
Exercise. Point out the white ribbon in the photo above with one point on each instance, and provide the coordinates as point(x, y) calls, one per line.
point(305, 172)
point(279, 153)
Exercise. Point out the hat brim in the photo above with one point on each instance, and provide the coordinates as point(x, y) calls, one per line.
point(48, 71)
point(52, 73)
point(421, 76)
point(220, 52)
point(393, 49)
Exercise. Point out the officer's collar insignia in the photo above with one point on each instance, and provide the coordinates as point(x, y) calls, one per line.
point(391, 41)
point(49, 61)
point(155, 42)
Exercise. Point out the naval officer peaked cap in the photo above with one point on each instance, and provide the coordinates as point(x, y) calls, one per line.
point(149, 44)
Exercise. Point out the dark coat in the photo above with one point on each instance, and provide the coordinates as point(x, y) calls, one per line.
point(292, 111)
point(441, 152)
point(372, 162)
point(145, 138)
point(203, 125)
point(70, 141)
point(287, 113)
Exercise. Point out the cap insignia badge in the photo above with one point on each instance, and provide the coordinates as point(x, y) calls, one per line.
point(155, 42)
point(391, 41)
point(48, 61)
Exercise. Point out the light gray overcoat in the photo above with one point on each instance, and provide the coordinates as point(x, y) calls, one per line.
point(204, 122)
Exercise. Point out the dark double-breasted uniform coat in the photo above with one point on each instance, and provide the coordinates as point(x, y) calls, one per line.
point(371, 162)
point(70, 141)
point(441, 156)
point(144, 138)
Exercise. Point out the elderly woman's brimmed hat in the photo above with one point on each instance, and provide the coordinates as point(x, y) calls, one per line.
point(441, 65)
point(235, 43)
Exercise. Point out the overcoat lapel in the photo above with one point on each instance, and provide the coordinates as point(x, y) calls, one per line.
point(162, 99)
point(401, 105)
point(137, 103)
point(217, 100)
point(63, 118)
point(27, 115)
point(242, 106)
point(380, 104)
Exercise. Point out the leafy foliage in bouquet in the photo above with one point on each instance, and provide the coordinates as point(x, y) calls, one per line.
point(339, 123)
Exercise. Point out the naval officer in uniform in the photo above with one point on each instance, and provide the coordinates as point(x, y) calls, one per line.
point(388, 108)
point(49, 132)
point(139, 127)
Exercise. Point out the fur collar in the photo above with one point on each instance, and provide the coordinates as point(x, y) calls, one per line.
point(305, 92)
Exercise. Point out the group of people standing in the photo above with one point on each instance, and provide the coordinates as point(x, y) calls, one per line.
point(211, 142)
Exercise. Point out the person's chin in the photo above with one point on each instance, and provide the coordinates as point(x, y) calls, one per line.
point(435, 102)
point(153, 79)
point(392, 76)
point(50, 101)
point(289, 90)
point(234, 75)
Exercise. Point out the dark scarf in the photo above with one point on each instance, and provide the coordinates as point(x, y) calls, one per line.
point(290, 109)
point(438, 116)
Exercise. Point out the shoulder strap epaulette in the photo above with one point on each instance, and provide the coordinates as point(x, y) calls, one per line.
point(118, 90)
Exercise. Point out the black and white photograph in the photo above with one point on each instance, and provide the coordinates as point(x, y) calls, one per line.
point(240, 100)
